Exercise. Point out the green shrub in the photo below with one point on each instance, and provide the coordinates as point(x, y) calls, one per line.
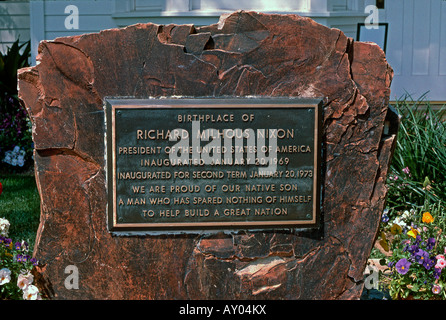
point(15, 127)
point(417, 172)
point(413, 225)
point(10, 62)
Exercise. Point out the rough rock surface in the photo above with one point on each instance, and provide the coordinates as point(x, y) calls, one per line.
point(246, 53)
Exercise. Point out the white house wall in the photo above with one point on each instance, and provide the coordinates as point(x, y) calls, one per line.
point(14, 23)
point(416, 47)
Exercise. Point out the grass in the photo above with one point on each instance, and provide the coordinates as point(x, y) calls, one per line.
point(20, 204)
point(419, 162)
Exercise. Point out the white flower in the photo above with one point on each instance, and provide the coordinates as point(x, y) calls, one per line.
point(405, 214)
point(15, 157)
point(7, 157)
point(399, 222)
point(31, 293)
point(4, 227)
point(24, 280)
point(5, 276)
point(24, 246)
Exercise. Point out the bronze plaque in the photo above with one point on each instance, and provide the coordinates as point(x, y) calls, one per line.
point(181, 164)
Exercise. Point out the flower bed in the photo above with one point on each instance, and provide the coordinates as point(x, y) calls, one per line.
point(16, 264)
point(417, 262)
point(412, 232)
point(16, 149)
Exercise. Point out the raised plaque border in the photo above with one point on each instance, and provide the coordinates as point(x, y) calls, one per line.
point(112, 104)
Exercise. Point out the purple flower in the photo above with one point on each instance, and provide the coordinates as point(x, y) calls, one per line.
point(421, 256)
point(437, 273)
point(17, 245)
point(402, 266)
point(7, 242)
point(430, 243)
point(417, 240)
point(412, 249)
point(34, 261)
point(428, 263)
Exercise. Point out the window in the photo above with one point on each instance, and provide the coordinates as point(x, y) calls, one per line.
point(377, 34)
point(380, 4)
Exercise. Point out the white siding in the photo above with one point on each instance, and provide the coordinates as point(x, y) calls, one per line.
point(48, 19)
point(442, 44)
point(259, 5)
point(416, 47)
point(339, 5)
point(14, 23)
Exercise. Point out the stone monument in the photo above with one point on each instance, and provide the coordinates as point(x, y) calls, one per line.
point(101, 105)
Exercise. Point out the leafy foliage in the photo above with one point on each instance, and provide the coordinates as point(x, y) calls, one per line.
point(10, 63)
point(414, 223)
point(15, 127)
point(419, 162)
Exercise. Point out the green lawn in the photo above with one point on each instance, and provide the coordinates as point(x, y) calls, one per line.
point(20, 204)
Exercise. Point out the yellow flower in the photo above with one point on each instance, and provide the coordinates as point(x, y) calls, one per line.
point(396, 229)
point(427, 218)
point(413, 233)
